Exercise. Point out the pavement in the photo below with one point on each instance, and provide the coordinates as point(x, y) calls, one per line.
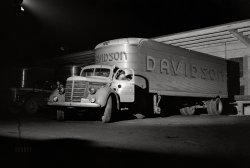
point(176, 141)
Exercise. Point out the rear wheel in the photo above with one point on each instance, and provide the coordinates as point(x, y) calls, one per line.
point(187, 110)
point(190, 110)
point(182, 111)
point(215, 107)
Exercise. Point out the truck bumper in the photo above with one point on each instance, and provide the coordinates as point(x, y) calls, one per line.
point(74, 104)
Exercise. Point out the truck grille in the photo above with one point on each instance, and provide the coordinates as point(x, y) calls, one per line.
point(75, 90)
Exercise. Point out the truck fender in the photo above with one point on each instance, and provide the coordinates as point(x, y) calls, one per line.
point(102, 96)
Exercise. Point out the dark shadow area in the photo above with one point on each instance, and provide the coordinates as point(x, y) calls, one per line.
point(73, 152)
point(95, 115)
point(228, 108)
point(143, 99)
point(233, 79)
point(15, 113)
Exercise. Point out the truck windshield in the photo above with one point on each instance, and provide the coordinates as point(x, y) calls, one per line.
point(104, 72)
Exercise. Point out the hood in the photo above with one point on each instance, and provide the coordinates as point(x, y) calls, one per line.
point(90, 79)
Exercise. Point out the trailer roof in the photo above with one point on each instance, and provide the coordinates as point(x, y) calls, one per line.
point(229, 40)
point(120, 41)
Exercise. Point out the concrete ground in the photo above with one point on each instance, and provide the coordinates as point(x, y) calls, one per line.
point(174, 141)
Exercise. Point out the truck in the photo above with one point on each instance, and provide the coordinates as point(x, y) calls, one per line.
point(31, 93)
point(31, 84)
point(146, 78)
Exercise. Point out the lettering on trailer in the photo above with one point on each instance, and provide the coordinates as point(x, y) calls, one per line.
point(113, 56)
point(185, 69)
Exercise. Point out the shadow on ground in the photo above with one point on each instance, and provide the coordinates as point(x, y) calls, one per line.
point(17, 152)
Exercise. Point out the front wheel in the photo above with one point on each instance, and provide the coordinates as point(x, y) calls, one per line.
point(31, 106)
point(108, 110)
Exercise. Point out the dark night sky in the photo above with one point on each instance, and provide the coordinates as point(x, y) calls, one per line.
point(77, 25)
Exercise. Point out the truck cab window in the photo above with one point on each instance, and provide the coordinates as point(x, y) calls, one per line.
point(102, 72)
point(87, 72)
point(124, 75)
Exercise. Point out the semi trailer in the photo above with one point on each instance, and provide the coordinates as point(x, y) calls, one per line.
point(145, 77)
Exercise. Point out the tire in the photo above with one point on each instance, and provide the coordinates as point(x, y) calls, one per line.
point(215, 107)
point(60, 115)
point(31, 106)
point(182, 111)
point(109, 110)
point(209, 108)
point(189, 110)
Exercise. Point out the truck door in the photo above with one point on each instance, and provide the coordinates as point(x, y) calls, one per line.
point(123, 83)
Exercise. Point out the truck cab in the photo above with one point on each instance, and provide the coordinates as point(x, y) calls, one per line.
point(104, 87)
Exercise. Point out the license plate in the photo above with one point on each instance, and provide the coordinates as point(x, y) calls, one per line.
point(84, 100)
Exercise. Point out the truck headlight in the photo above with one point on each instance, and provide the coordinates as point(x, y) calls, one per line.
point(92, 100)
point(92, 90)
point(55, 99)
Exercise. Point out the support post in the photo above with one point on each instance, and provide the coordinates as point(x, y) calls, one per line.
point(246, 74)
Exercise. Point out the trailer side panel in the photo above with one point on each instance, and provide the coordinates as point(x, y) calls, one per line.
point(169, 70)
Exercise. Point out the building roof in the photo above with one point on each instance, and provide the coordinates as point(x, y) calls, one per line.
point(229, 40)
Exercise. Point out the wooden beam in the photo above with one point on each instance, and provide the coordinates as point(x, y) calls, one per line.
point(191, 38)
point(230, 37)
point(245, 40)
point(220, 47)
point(216, 42)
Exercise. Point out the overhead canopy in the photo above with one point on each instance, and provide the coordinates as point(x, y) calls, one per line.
point(227, 41)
